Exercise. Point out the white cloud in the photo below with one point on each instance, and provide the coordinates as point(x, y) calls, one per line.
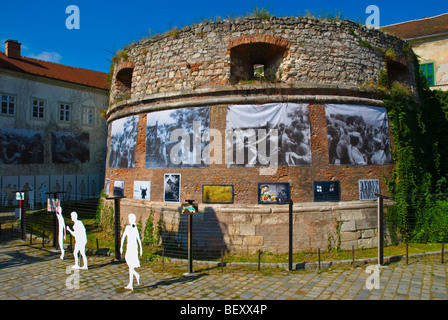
point(47, 56)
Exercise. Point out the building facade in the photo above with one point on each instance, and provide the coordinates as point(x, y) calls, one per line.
point(429, 39)
point(52, 135)
point(244, 115)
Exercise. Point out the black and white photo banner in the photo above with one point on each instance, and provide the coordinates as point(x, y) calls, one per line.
point(275, 134)
point(123, 142)
point(177, 138)
point(357, 135)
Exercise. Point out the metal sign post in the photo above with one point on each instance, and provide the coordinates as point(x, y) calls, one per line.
point(380, 228)
point(291, 222)
point(190, 208)
point(117, 225)
point(20, 196)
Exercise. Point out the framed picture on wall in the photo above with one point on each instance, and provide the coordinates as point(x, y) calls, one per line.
point(118, 188)
point(171, 187)
point(142, 190)
point(327, 191)
point(217, 194)
point(368, 189)
point(273, 193)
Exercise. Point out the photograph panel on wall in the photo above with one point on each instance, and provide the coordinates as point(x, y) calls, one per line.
point(94, 185)
point(177, 138)
point(142, 190)
point(275, 134)
point(368, 189)
point(107, 186)
point(212, 193)
point(123, 142)
point(69, 187)
point(357, 135)
point(273, 193)
point(27, 185)
point(19, 146)
point(171, 187)
point(108, 143)
point(70, 147)
point(56, 185)
point(10, 184)
point(82, 186)
point(42, 187)
point(118, 188)
point(326, 191)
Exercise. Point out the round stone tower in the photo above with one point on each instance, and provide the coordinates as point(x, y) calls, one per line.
point(243, 116)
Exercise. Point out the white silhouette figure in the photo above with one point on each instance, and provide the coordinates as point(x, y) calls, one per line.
point(61, 233)
point(79, 232)
point(133, 243)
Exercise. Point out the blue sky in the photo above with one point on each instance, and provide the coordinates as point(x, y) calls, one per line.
point(107, 26)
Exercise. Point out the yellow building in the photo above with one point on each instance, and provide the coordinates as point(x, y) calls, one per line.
point(429, 39)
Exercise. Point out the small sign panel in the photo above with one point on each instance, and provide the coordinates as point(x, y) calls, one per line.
point(20, 195)
point(188, 208)
point(52, 205)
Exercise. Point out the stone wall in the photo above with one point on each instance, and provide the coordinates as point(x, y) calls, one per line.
point(314, 51)
point(245, 229)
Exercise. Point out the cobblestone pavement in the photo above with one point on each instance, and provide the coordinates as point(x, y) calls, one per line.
point(32, 273)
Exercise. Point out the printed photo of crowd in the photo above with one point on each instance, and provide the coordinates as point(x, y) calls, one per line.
point(188, 153)
point(21, 146)
point(70, 147)
point(291, 123)
point(357, 135)
point(123, 142)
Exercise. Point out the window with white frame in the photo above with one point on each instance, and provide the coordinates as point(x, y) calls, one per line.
point(87, 115)
point(8, 105)
point(38, 109)
point(65, 112)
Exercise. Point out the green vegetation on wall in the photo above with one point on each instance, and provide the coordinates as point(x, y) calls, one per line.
point(419, 127)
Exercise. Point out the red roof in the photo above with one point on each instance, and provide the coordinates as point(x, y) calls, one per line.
point(419, 28)
point(55, 71)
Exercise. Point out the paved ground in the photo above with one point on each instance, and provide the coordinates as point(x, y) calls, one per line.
point(32, 273)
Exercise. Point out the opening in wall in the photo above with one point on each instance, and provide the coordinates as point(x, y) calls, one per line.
point(124, 77)
point(398, 72)
point(256, 61)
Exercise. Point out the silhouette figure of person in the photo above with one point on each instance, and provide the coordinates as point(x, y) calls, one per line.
point(79, 232)
point(133, 244)
point(61, 233)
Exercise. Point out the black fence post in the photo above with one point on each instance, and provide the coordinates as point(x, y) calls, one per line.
point(353, 256)
point(318, 259)
point(290, 234)
point(443, 249)
point(380, 232)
